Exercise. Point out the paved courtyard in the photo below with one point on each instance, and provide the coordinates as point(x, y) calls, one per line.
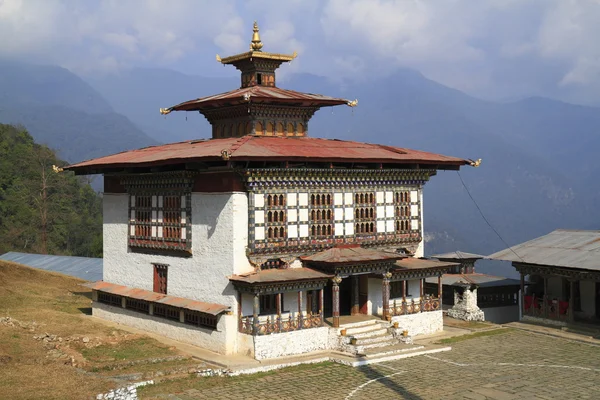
point(512, 365)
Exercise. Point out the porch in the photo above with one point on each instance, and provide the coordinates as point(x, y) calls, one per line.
point(560, 295)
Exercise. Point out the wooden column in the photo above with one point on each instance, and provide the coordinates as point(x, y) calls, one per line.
point(545, 297)
point(300, 316)
point(440, 289)
point(355, 310)
point(321, 304)
point(522, 295)
point(255, 311)
point(336, 300)
point(421, 295)
point(572, 302)
point(404, 296)
point(385, 289)
point(278, 300)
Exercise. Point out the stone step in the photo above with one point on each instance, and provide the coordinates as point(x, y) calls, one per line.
point(363, 329)
point(369, 334)
point(373, 339)
point(360, 349)
point(389, 350)
point(361, 323)
point(358, 361)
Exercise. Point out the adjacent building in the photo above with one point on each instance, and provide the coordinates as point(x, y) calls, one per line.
point(560, 276)
point(259, 239)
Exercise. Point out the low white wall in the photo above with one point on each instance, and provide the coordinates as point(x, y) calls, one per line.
point(245, 344)
point(501, 315)
point(290, 343)
point(214, 340)
point(421, 323)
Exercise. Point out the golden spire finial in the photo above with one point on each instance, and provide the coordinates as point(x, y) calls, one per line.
point(256, 44)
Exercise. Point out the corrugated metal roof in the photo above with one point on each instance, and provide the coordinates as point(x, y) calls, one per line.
point(481, 280)
point(458, 255)
point(89, 269)
point(260, 94)
point(280, 275)
point(420, 263)
point(141, 294)
point(269, 148)
point(350, 254)
point(561, 248)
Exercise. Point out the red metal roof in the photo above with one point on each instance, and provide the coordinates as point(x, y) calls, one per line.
point(350, 254)
point(411, 263)
point(267, 148)
point(280, 275)
point(263, 94)
point(141, 294)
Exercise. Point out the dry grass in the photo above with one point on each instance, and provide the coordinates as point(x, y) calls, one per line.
point(45, 302)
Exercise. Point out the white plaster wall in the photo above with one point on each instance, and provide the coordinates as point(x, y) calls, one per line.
point(375, 297)
point(219, 237)
point(501, 315)
point(587, 289)
point(245, 344)
point(421, 323)
point(413, 289)
point(291, 343)
point(554, 287)
point(247, 304)
point(215, 340)
point(290, 304)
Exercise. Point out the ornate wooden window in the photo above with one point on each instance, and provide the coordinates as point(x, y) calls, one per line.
point(160, 278)
point(268, 304)
point(364, 213)
point(160, 220)
point(321, 215)
point(403, 212)
point(276, 217)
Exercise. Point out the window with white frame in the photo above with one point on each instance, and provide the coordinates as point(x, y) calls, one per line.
point(160, 221)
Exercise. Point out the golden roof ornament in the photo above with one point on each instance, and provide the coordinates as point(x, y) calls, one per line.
point(256, 44)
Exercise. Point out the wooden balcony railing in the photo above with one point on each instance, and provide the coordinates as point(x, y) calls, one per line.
point(279, 324)
point(552, 309)
point(399, 307)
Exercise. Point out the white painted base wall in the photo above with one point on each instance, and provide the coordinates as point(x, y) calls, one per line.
point(219, 341)
point(290, 343)
point(421, 323)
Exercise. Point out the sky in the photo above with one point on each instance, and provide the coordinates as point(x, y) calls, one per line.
point(492, 49)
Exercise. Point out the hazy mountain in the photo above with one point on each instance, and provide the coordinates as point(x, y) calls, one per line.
point(61, 110)
point(538, 154)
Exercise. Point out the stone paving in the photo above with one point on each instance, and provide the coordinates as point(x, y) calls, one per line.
point(512, 365)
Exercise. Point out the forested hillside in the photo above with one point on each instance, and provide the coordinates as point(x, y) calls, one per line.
point(42, 211)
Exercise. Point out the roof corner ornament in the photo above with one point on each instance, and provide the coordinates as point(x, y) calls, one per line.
point(294, 54)
point(218, 58)
point(246, 96)
point(353, 103)
point(476, 163)
point(57, 169)
point(256, 44)
point(165, 111)
point(225, 155)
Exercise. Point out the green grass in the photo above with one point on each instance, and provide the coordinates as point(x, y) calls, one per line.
point(128, 350)
point(475, 335)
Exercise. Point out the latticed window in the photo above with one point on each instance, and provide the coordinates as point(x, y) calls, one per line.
point(403, 213)
point(321, 215)
point(110, 299)
point(169, 312)
point(276, 217)
point(199, 319)
point(160, 221)
point(364, 213)
point(137, 305)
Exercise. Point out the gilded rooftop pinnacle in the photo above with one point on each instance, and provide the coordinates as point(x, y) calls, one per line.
point(256, 44)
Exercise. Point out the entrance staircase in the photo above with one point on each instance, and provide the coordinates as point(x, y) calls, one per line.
point(374, 343)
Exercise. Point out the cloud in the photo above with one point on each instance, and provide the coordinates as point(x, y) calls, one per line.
point(493, 48)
